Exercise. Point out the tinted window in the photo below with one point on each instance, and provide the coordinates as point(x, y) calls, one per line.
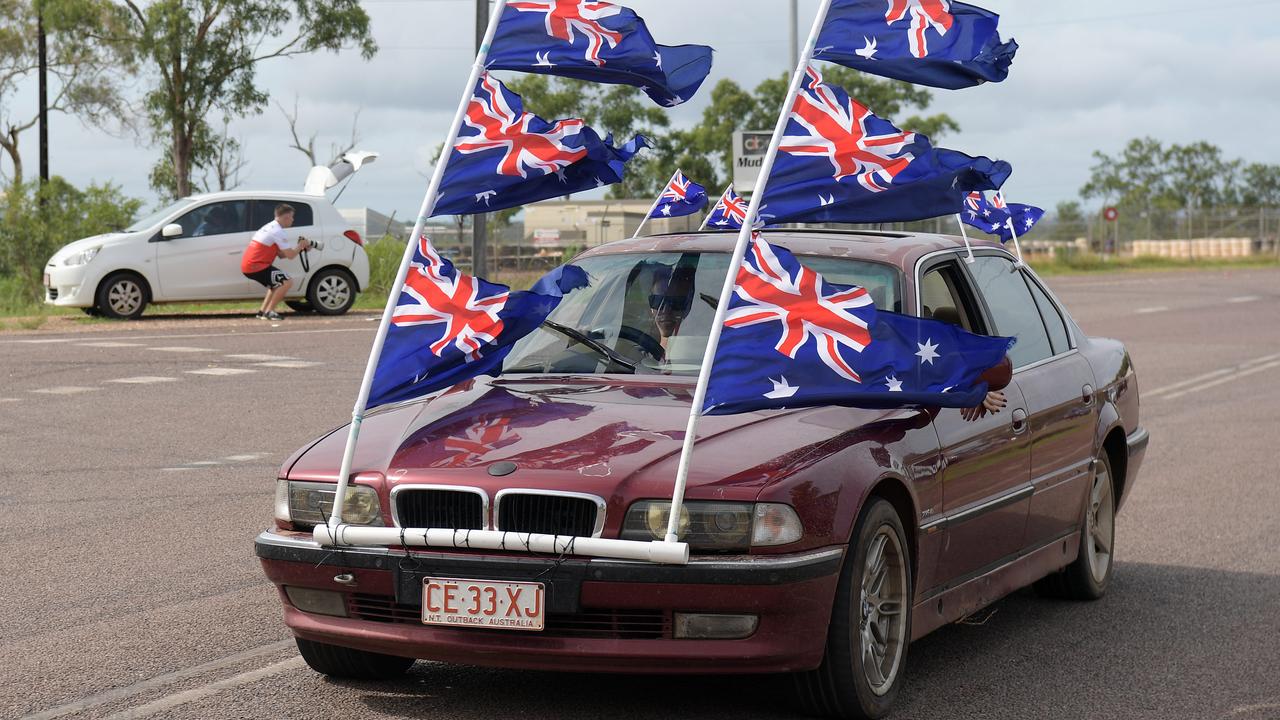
point(942, 297)
point(1052, 318)
point(1012, 308)
point(215, 219)
point(264, 211)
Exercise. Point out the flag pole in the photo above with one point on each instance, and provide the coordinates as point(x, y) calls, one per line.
point(965, 235)
point(654, 206)
point(428, 205)
point(719, 202)
point(1012, 231)
point(730, 280)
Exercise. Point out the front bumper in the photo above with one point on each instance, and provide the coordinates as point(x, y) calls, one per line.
point(603, 615)
point(70, 286)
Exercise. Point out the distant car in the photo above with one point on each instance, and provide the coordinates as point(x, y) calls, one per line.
point(824, 540)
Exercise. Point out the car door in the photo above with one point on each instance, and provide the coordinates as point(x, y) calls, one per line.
point(204, 262)
point(986, 460)
point(304, 225)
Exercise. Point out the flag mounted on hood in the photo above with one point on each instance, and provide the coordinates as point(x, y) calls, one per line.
point(791, 339)
point(505, 157)
point(730, 211)
point(838, 162)
point(681, 197)
point(598, 42)
point(448, 327)
point(995, 217)
point(928, 42)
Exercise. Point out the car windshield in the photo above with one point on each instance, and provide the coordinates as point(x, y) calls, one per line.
point(150, 221)
point(652, 313)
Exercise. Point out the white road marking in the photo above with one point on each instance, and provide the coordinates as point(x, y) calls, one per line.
point(1199, 379)
point(178, 469)
point(144, 380)
point(204, 463)
point(221, 371)
point(1244, 299)
point(10, 399)
point(1148, 310)
point(290, 364)
point(207, 335)
point(43, 341)
point(65, 390)
point(204, 691)
point(244, 458)
point(120, 693)
point(252, 357)
point(109, 344)
point(180, 349)
point(1220, 381)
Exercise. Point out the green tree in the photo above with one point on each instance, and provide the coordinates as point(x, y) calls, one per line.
point(35, 223)
point(204, 54)
point(85, 70)
point(1260, 185)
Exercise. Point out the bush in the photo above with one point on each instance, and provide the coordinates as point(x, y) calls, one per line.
point(34, 224)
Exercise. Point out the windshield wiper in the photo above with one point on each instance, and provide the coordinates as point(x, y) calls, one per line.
point(595, 345)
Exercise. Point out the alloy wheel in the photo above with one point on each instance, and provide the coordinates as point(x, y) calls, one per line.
point(1100, 524)
point(333, 291)
point(124, 297)
point(882, 627)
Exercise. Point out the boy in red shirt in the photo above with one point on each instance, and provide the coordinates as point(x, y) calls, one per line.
point(269, 243)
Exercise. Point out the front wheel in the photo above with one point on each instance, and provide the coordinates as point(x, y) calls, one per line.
point(342, 662)
point(870, 629)
point(122, 296)
point(331, 292)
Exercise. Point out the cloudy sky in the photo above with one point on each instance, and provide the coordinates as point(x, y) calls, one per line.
point(1090, 74)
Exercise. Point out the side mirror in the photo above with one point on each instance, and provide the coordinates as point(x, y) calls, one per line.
point(172, 230)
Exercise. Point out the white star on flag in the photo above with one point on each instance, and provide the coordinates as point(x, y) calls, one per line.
point(895, 385)
point(781, 389)
point(928, 351)
point(666, 210)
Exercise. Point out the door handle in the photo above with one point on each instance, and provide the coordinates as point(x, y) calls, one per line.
point(1019, 420)
point(1086, 395)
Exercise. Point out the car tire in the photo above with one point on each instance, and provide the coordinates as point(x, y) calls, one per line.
point(876, 577)
point(341, 662)
point(1087, 577)
point(332, 291)
point(122, 296)
point(300, 306)
point(91, 311)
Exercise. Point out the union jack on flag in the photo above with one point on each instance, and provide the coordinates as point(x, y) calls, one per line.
point(792, 339)
point(730, 211)
point(598, 42)
point(940, 43)
point(839, 162)
point(448, 326)
point(680, 197)
point(505, 157)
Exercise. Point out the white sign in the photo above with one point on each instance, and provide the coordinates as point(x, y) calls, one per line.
point(546, 238)
point(749, 147)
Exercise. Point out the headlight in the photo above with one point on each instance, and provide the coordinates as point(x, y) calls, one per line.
point(81, 258)
point(715, 526)
point(311, 503)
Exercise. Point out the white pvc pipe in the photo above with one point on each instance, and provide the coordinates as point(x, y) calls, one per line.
point(965, 235)
point(428, 205)
point(731, 279)
point(668, 553)
point(654, 206)
point(723, 196)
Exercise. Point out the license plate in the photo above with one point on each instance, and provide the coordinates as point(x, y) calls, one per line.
point(482, 603)
point(47, 282)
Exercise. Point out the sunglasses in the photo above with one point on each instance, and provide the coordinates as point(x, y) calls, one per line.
point(674, 303)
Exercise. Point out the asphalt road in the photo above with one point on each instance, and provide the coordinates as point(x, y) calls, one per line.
point(137, 464)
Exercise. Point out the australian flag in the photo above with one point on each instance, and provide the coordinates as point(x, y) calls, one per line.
point(838, 162)
point(730, 211)
point(681, 197)
point(995, 217)
point(928, 42)
point(505, 157)
point(448, 327)
point(791, 339)
point(599, 42)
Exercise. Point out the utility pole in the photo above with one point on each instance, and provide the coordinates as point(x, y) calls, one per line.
point(479, 234)
point(44, 97)
point(793, 34)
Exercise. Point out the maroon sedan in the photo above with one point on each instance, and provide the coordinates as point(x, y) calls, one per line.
point(823, 540)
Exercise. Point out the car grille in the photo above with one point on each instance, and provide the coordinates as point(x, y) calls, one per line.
point(53, 293)
point(547, 514)
point(435, 508)
point(589, 623)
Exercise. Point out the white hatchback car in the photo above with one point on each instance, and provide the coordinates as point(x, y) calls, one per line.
point(190, 251)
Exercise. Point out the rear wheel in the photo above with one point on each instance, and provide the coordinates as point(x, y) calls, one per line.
point(300, 306)
point(862, 670)
point(341, 662)
point(92, 311)
point(1088, 576)
point(122, 296)
point(332, 291)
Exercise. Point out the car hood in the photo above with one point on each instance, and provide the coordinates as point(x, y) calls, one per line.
point(618, 437)
point(111, 238)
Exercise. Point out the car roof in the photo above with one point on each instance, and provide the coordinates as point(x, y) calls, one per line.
point(902, 249)
point(253, 194)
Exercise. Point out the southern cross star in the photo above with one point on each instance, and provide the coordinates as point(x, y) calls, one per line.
point(895, 385)
point(928, 351)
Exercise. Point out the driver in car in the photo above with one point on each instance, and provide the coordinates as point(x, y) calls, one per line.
point(670, 300)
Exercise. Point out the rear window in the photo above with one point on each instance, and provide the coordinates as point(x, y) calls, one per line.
point(264, 211)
